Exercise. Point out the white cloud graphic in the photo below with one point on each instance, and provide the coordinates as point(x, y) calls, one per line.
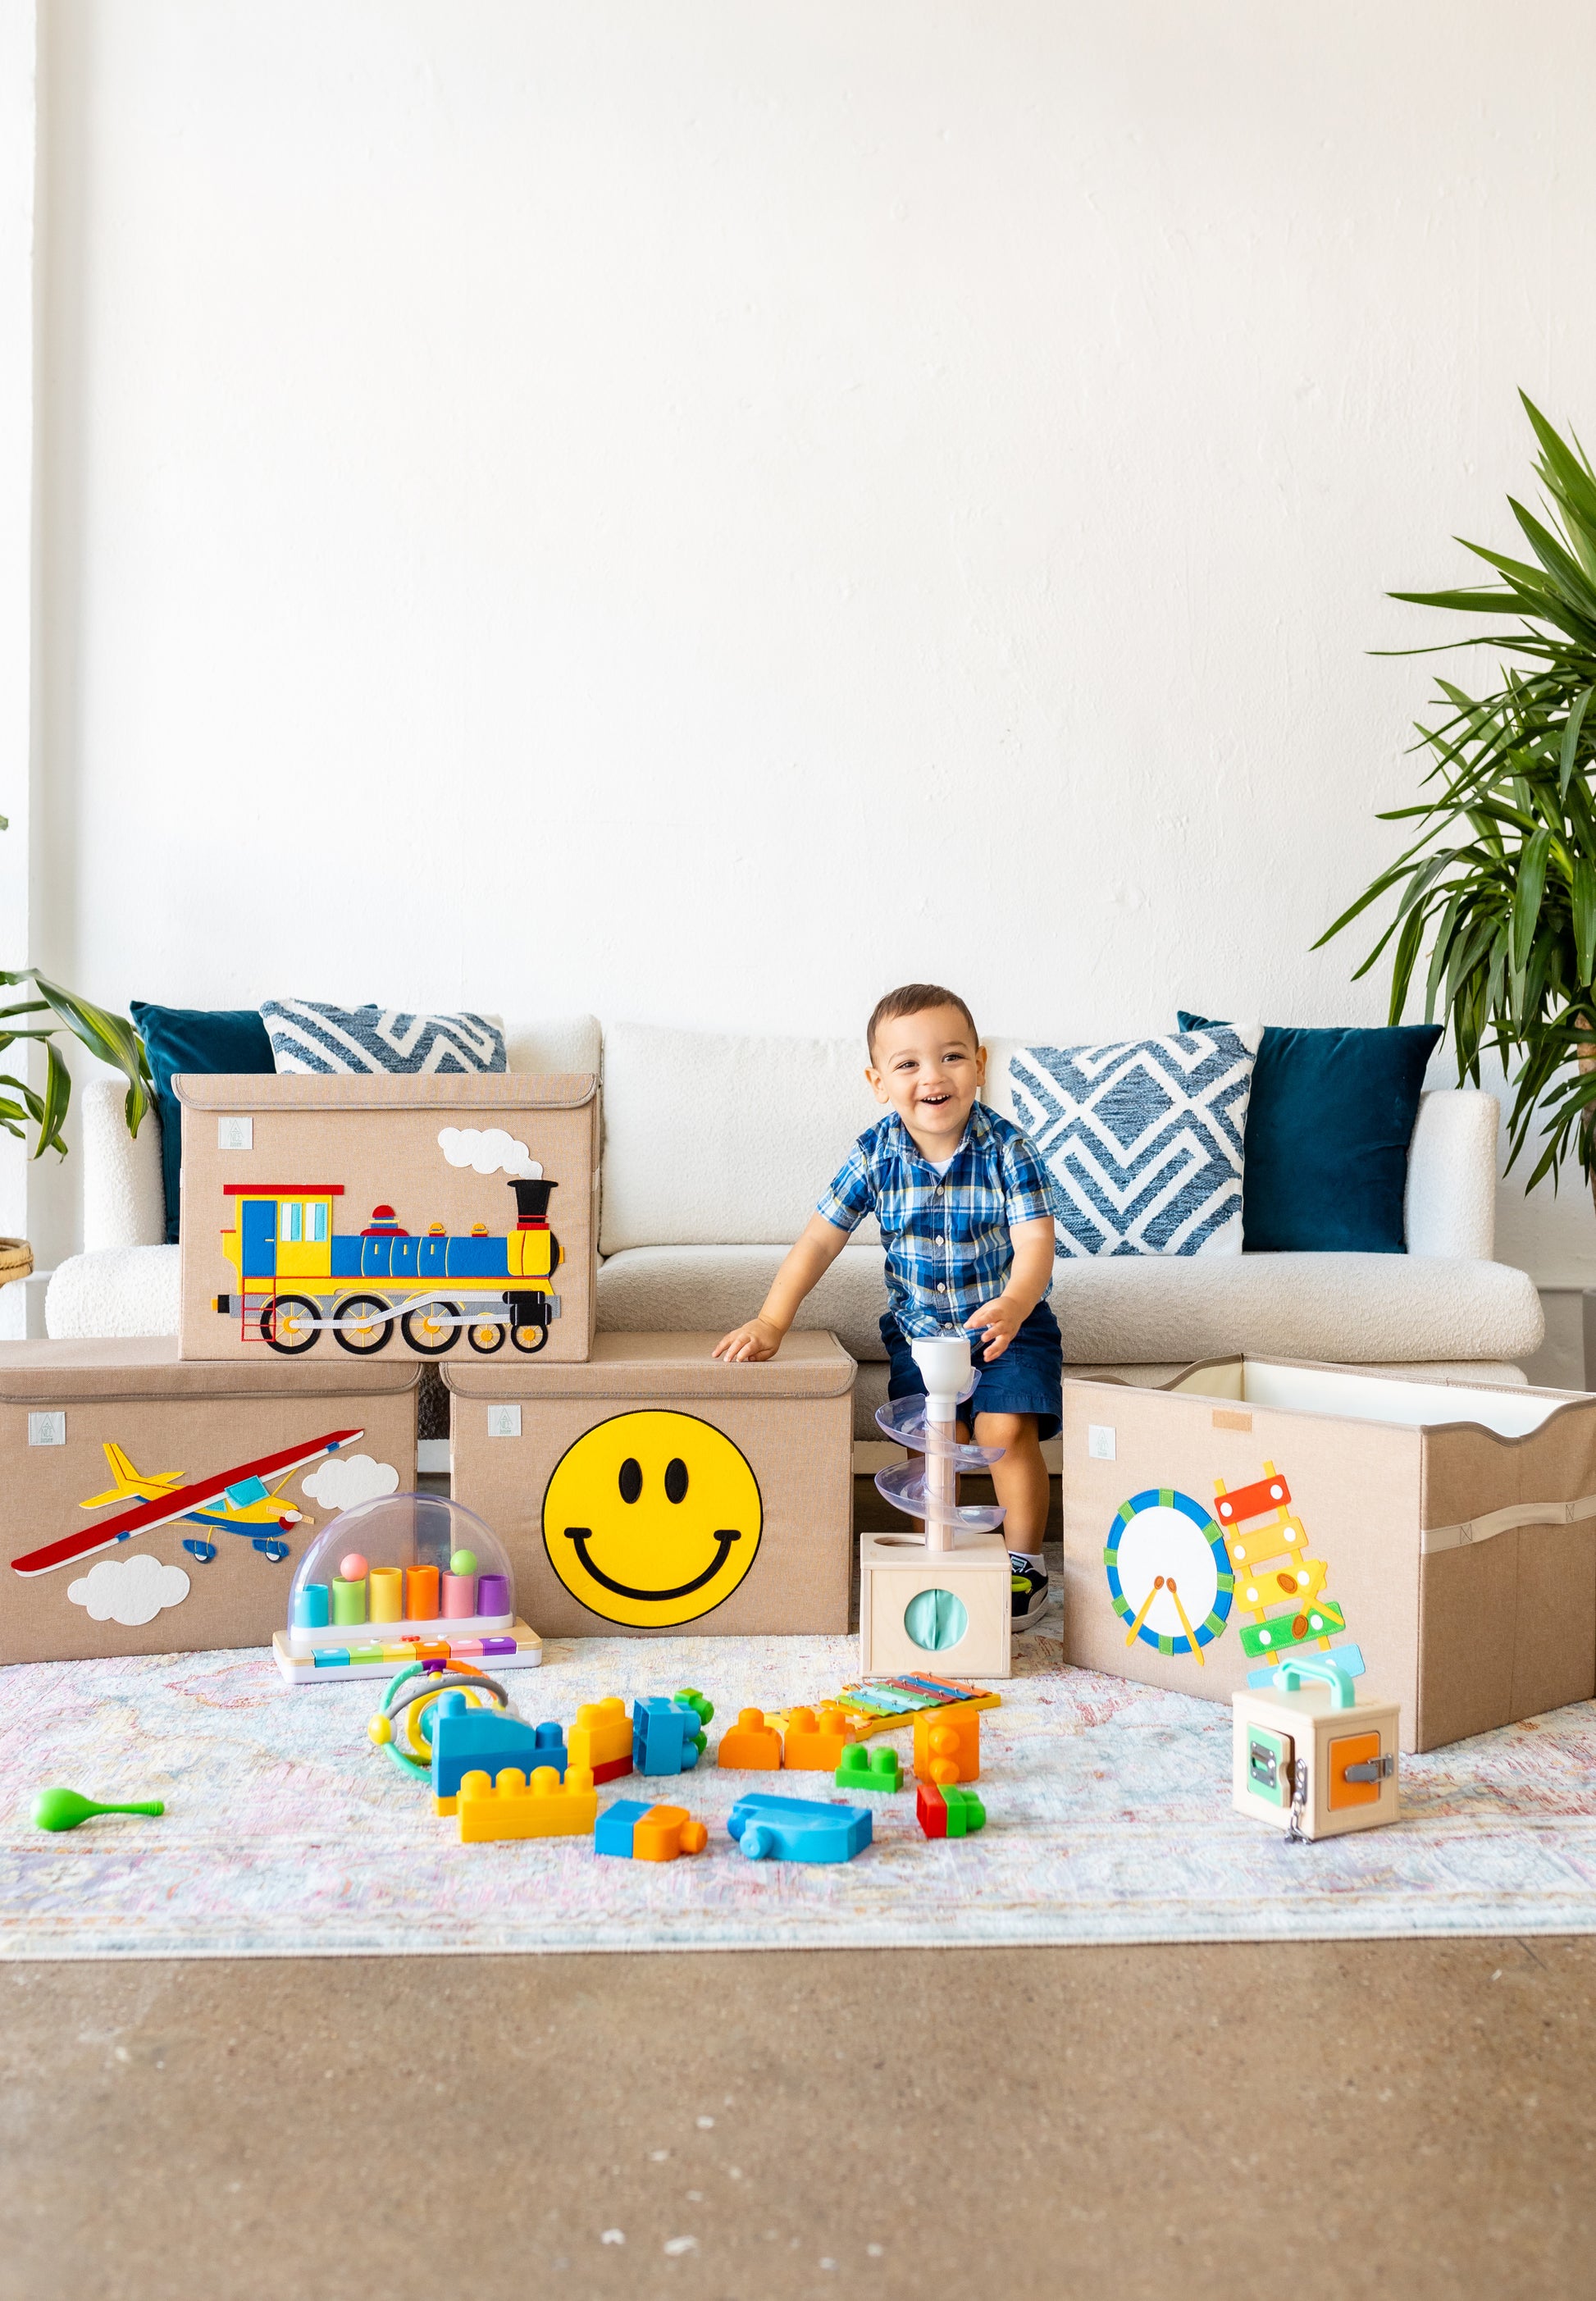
point(131, 1591)
point(489, 1150)
point(344, 1480)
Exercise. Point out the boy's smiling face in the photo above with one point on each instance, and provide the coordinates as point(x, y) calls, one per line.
point(931, 1069)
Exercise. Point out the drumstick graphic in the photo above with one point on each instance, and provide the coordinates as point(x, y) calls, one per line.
point(1186, 1624)
point(1147, 1601)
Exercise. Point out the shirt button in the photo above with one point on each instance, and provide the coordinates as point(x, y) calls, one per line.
point(942, 1286)
point(940, 1239)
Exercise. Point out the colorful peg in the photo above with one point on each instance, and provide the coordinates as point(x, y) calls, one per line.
point(65, 1809)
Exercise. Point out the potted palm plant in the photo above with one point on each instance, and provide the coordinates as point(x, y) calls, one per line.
point(111, 1037)
point(1497, 884)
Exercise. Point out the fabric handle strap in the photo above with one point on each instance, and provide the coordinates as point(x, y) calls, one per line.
point(1502, 1521)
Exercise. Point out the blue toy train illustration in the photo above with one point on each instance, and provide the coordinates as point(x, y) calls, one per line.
point(296, 1272)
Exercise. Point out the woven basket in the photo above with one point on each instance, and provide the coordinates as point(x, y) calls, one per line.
point(16, 1259)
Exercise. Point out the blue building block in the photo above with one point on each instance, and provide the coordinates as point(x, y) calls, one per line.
point(667, 1735)
point(470, 1741)
point(798, 1829)
point(615, 1824)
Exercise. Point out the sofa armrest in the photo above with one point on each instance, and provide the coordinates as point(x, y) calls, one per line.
point(1451, 1206)
point(124, 1198)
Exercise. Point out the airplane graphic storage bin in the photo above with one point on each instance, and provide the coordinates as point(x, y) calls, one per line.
point(153, 1504)
point(1438, 1539)
point(446, 1215)
point(655, 1489)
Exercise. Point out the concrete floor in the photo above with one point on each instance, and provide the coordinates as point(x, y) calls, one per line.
point(1406, 2119)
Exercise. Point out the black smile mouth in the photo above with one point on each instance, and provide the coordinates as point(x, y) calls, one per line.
point(583, 1535)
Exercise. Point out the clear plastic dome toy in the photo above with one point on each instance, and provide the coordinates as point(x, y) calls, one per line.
point(403, 1566)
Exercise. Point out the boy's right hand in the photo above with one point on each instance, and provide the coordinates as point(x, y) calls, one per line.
point(748, 1344)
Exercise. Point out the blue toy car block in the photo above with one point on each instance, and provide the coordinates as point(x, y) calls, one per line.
point(798, 1829)
point(466, 1741)
point(667, 1735)
point(616, 1825)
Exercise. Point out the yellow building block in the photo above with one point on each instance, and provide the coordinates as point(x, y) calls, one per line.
point(514, 1807)
point(601, 1738)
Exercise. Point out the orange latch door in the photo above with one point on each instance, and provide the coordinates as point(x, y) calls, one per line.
point(1352, 1750)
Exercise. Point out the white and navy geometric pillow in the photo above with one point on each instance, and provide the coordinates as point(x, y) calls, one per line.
point(306, 1035)
point(1144, 1139)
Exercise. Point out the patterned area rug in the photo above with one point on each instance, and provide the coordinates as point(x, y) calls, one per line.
point(287, 1834)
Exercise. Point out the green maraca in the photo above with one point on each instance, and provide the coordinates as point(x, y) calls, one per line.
point(64, 1809)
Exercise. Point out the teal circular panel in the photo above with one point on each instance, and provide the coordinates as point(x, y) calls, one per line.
point(935, 1621)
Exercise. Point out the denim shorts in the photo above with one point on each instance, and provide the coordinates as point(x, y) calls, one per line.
point(1027, 1379)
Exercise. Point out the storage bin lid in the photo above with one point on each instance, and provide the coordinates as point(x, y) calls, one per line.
point(148, 1366)
point(385, 1091)
point(662, 1366)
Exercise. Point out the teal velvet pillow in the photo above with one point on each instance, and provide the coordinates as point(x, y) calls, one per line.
point(190, 1039)
point(1328, 1128)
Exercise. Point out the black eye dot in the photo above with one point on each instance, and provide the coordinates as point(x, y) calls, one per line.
point(675, 1479)
point(632, 1479)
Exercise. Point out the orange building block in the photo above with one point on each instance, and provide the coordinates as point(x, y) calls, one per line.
point(947, 1747)
point(750, 1744)
point(665, 1832)
point(601, 1738)
point(514, 1807)
point(816, 1744)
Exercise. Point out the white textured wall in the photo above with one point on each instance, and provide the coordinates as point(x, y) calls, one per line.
point(704, 510)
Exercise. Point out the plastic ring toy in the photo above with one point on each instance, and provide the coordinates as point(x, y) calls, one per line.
point(405, 1708)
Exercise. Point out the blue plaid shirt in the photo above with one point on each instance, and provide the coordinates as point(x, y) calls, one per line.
point(946, 1236)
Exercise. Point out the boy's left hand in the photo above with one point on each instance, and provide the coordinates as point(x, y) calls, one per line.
point(997, 1323)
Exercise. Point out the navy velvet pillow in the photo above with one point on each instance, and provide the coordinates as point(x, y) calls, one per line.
point(188, 1039)
point(1328, 1128)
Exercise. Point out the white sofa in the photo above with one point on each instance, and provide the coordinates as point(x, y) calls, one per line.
point(716, 1147)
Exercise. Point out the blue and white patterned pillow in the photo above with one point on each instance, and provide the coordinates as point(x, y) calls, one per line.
point(306, 1035)
point(1144, 1138)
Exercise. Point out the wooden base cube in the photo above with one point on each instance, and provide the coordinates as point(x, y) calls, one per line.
point(1350, 1755)
point(947, 1610)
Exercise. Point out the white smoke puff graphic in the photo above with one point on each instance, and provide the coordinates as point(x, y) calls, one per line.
point(131, 1591)
point(344, 1480)
point(488, 1151)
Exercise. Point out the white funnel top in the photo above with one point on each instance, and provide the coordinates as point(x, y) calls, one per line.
point(944, 1364)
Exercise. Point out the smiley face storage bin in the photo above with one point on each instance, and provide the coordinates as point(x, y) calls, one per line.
point(436, 1216)
point(1438, 1538)
point(218, 1477)
point(655, 1489)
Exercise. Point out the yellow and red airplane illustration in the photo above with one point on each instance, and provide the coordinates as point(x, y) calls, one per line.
point(244, 1500)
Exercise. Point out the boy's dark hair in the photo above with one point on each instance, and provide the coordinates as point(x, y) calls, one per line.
point(914, 999)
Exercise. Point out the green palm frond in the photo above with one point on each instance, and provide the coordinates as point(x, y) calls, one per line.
point(109, 1036)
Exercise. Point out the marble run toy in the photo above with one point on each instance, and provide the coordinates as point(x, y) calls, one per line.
point(490, 1811)
point(637, 1832)
point(798, 1829)
point(869, 1769)
point(752, 1745)
point(945, 1811)
point(1310, 1757)
point(601, 1738)
point(667, 1731)
point(948, 1749)
point(816, 1744)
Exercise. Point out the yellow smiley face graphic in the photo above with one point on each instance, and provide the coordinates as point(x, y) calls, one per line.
point(652, 1518)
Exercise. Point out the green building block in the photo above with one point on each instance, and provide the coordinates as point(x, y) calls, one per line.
point(864, 1769)
point(965, 1812)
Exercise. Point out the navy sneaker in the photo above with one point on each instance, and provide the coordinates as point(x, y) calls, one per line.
point(1029, 1587)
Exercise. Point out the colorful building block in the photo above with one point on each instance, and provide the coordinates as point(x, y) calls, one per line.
point(667, 1732)
point(948, 1812)
point(948, 1749)
point(798, 1829)
point(601, 1738)
point(467, 1740)
point(816, 1744)
point(514, 1807)
point(870, 1769)
point(751, 1745)
point(648, 1832)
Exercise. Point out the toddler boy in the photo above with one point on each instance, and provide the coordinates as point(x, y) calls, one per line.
point(965, 1208)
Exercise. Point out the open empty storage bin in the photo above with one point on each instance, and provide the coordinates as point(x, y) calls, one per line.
point(656, 1489)
point(153, 1504)
point(1440, 1538)
point(450, 1215)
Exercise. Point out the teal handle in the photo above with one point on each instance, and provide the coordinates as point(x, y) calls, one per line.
point(1326, 1669)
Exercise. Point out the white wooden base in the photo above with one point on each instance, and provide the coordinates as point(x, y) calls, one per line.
point(895, 1569)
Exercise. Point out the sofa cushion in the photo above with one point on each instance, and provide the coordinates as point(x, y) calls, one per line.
point(711, 1136)
point(664, 1290)
point(123, 1290)
point(193, 1039)
point(308, 1035)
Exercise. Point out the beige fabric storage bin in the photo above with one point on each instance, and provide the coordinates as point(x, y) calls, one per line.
point(95, 1433)
point(656, 1489)
point(422, 1216)
point(1445, 1532)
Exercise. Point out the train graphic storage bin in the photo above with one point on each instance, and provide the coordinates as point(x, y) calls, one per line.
point(654, 1489)
point(153, 1504)
point(1436, 1539)
point(416, 1216)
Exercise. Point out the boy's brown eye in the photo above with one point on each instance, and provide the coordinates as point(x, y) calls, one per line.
point(632, 1479)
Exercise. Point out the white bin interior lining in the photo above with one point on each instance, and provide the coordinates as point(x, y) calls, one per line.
point(1511, 1413)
